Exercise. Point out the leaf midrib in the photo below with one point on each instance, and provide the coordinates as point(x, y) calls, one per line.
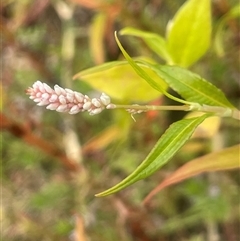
point(196, 90)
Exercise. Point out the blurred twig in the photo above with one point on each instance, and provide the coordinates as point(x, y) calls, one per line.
point(24, 133)
point(65, 12)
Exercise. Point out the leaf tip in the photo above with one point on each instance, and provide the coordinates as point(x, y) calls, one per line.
point(101, 194)
point(75, 76)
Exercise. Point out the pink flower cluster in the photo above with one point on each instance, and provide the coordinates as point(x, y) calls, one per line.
point(66, 100)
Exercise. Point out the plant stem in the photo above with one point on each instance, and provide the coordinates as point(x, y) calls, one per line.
point(221, 111)
point(217, 110)
point(154, 107)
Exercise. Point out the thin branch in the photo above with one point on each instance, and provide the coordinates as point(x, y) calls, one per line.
point(154, 107)
point(26, 135)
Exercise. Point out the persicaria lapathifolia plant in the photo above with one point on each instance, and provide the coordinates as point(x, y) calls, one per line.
point(197, 94)
point(72, 102)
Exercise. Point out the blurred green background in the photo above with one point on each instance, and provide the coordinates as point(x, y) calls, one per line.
point(53, 163)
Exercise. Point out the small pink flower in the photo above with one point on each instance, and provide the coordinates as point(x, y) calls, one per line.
point(66, 100)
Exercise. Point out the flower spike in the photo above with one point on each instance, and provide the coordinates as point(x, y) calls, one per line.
point(72, 102)
point(66, 100)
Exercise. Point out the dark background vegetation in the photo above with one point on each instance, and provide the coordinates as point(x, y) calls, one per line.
point(51, 169)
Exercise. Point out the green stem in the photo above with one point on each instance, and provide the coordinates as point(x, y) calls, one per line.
point(221, 111)
point(154, 107)
point(217, 110)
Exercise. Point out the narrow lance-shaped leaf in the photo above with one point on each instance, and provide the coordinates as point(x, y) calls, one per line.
point(143, 74)
point(189, 32)
point(225, 159)
point(191, 86)
point(154, 41)
point(170, 142)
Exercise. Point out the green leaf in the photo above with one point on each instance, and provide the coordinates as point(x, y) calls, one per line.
point(154, 41)
point(143, 74)
point(170, 142)
point(189, 32)
point(218, 44)
point(119, 80)
point(191, 86)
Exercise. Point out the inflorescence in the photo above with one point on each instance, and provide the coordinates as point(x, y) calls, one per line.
point(66, 100)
